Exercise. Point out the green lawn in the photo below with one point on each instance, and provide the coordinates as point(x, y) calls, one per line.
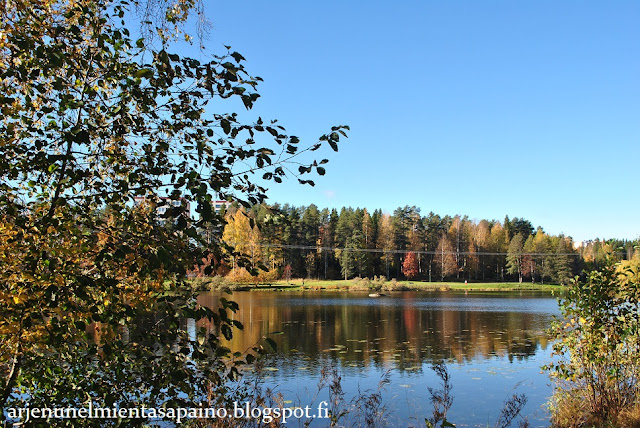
point(364, 285)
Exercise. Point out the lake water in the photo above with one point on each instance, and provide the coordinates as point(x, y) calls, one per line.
point(493, 345)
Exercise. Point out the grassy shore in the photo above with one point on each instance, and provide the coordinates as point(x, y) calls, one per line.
point(377, 285)
point(356, 285)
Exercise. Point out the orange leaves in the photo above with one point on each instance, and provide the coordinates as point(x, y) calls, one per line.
point(410, 265)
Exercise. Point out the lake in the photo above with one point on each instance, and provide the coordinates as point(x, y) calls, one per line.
point(493, 345)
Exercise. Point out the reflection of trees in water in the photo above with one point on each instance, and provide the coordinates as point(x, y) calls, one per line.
point(404, 335)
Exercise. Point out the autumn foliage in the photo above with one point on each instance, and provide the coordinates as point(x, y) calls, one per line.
point(410, 265)
point(100, 127)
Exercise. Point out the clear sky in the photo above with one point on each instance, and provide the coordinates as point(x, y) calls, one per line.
point(480, 108)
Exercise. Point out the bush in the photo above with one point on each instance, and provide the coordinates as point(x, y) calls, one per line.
point(217, 283)
point(199, 283)
point(241, 276)
point(269, 276)
point(394, 286)
point(598, 343)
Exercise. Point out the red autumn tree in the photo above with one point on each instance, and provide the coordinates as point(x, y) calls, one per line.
point(410, 266)
point(286, 273)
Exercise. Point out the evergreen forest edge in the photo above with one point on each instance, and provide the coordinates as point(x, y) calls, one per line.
point(285, 242)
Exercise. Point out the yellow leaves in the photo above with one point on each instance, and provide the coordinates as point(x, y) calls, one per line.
point(629, 270)
point(102, 238)
point(7, 329)
point(8, 298)
point(59, 279)
point(239, 234)
point(21, 5)
point(572, 322)
point(7, 231)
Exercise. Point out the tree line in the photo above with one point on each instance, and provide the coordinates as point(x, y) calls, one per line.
point(310, 242)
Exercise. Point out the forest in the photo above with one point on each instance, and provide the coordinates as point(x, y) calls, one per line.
point(310, 242)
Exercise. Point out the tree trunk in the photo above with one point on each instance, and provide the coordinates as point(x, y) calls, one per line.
point(325, 265)
point(11, 379)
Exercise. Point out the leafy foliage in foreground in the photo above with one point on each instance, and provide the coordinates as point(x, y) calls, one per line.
point(97, 131)
point(598, 341)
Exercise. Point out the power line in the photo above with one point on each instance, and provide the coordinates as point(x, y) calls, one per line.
point(397, 251)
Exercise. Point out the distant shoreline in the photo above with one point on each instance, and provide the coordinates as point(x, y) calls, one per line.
point(365, 285)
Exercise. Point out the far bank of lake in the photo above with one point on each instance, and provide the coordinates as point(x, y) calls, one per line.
point(365, 284)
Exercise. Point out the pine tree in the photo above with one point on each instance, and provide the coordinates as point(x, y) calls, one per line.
point(529, 264)
point(369, 242)
point(562, 262)
point(351, 257)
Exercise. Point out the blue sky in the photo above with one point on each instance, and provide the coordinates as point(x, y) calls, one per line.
point(484, 108)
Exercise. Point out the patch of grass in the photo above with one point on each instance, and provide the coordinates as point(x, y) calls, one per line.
point(364, 284)
point(569, 409)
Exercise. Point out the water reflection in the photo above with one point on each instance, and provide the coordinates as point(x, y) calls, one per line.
point(494, 345)
point(406, 329)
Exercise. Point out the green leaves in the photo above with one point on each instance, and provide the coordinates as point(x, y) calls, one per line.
point(237, 56)
point(100, 132)
point(226, 126)
point(596, 337)
point(144, 72)
point(334, 137)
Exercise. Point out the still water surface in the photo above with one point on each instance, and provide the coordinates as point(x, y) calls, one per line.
point(493, 345)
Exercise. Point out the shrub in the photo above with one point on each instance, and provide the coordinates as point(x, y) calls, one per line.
point(598, 344)
point(217, 283)
point(241, 276)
